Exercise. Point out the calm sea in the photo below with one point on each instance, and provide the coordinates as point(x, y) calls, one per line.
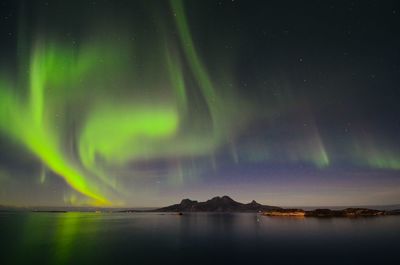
point(151, 238)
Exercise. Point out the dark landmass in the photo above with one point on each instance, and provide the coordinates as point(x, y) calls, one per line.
point(49, 211)
point(395, 212)
point(223, 204)
point(217, 204)
point(227, 204)
point(348, 212)
point(132, 211)
point(80, 209)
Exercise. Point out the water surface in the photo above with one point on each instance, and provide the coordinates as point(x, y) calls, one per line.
point(198, 238)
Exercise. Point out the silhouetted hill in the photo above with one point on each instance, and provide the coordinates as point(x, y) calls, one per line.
point(217, 204)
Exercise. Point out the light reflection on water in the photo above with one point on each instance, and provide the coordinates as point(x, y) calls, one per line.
point(152, 238)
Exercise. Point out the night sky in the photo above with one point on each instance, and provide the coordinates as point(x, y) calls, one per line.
point(143, 103)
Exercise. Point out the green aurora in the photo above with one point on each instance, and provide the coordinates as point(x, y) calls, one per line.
point(85, 110)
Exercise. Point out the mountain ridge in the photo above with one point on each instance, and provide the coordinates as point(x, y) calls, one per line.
point(217, 204)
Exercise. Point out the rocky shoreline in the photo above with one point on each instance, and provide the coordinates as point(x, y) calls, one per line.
point(348, 212)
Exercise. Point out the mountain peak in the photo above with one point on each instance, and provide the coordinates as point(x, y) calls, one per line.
point(187, 201)
point(225, 197)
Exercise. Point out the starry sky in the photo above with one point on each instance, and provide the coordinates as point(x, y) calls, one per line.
point(143, 103)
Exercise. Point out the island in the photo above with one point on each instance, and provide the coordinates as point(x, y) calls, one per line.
point(217, 204)
point(225, 204)
point(348, 212)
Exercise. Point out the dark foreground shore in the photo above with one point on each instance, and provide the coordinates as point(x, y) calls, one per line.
point(348, 212)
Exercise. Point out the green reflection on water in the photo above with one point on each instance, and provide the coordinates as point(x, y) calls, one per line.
point(65, 235)
point(50, 238)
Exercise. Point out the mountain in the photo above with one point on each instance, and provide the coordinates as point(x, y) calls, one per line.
point(217, 204)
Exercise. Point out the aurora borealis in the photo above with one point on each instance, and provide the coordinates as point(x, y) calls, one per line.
point(142, 103)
